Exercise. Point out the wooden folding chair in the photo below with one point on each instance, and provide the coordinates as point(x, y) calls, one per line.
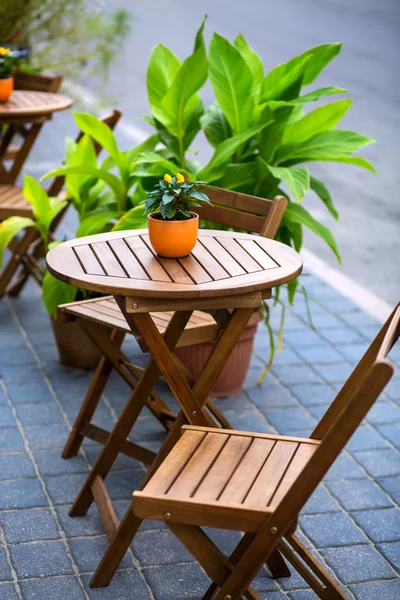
point(230, 208)
point(28, 249)
point(256, 484)
point(31, 83)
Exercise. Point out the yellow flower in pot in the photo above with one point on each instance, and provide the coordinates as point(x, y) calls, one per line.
point(173, 227)
point(7, 63)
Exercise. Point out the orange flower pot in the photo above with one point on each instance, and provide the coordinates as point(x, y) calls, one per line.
point(6, 88)
point(173, 239)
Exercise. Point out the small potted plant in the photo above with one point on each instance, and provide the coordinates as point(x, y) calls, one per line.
point(7, 63)
point(173, 228)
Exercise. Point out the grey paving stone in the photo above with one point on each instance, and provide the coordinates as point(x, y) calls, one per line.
point(224, 539)
point(170, 582)
point(381, 525)
point(87, 553)
point(391, 432)
point(289, 418)
point(89, 524)
point(35, 392)
point(286, 357)
point(320, 502)
point(355, 564)
point(159, 548)
point(238, 402)
point(333, 529)
point(24, 493)
point(272, 395)
point(249, 420)
point(303, 595)
point(63, 489)
point(122, 586)
point(343, 337)
point(16, 466)
point(384, 590)
point(11, 440)
point(52, 588)
point(49, 462)
point(17, 355)
point(264, 582)
point(8, 591)
point(366, 438)
point(313, 394)
point(5, 569)
point(320, 355)
point(45, 413)
point(384, 412)
point(295, 374)
point(391, 485)
point(391, 551)
point(29, 525)
point(353, 352)
point(318, 411)
point(46, 436)
point(147, 428)
point(121, 485)
point(344, 467)
point(301, 339)
point(337, 374)
point(6, 417)
point(40, 558)
point(379, 463)
point(359, 494)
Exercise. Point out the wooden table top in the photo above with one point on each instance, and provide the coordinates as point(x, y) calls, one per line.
point(28, 104)
point(222, 263)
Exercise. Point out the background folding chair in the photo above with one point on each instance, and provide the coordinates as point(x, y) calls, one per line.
point(28, 249)
point(257, 484)
point(31, 83)
point(240, 211)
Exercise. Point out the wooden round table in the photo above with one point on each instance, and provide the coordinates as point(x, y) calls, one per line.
point(228, 274)
point(24, 113)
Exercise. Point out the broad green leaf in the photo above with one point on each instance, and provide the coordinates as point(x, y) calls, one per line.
point(99, 131)
point(319, 188)
point(83, 154)
point(9, 229)
point(326, 145)
point(215, 125)
point(70, 146)
point(98, 222)
point(192, 123)
point(319, 56)
point(148, 157)
point(295, 213)
point(357, 161)
point(146, 146)
point(270, 137)
point(297, 179)
point(133, 219)
point(56, 206)
point(111, 180)
point(238, 176)
point(232, 82)
point(254, 63)
point(39, 200)
point(284, 82)
point(319, 93)
point(224, 152)
point(56, 292)
point(321, 119)
point(161, 72)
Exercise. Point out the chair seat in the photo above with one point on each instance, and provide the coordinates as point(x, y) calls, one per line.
point(105, 311)
point(13, 203)
point(223, 478)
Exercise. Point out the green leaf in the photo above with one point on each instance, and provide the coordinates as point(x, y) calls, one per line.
point(83, 154)
point(319, 56)
point(238, 176)
point(9, 229)
point(326, 145)
point(56, 292)
point(146, 146)
point(254, 63)
point(98, 222)
point(56, 206)
point(319, 93)
point(162, 70)
point(232, 82)
point(39, 200)
point(321, 119)
point(224, 152)
point(270, 137)
point(99, 131)
point(319, 188)
point(284, 82)
point(296, 179)
point(215, 125)
point(133, 219)
point(357, 161)
point(296, 213)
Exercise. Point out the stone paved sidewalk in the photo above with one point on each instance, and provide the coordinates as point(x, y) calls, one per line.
point(352, 521)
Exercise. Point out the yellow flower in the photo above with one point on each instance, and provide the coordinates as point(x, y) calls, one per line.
point(180, 177)
point(4, 51)
point(167, 178)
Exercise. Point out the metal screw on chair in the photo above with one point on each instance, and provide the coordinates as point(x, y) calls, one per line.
point(228, 597)
point(135, 305)
point(274, 530)
point(194, 413)
point(167, 516)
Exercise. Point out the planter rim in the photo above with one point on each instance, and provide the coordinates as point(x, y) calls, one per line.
point(151, 216)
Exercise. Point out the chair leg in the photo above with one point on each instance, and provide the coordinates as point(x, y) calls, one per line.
point(91, 400)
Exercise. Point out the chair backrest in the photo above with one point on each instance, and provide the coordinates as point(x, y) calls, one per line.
point(242, 211)
point(345, 414)
point(37, 83)
point(111, 119)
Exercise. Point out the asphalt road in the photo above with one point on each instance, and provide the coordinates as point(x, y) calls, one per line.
point(368, 233)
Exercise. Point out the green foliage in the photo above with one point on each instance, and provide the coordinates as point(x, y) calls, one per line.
point(173, 197)
point(7, 63)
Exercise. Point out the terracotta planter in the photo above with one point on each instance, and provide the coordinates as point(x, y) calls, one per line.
point(74, 347)
point(173, 239)
point(6, 88)
point(231, 380)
